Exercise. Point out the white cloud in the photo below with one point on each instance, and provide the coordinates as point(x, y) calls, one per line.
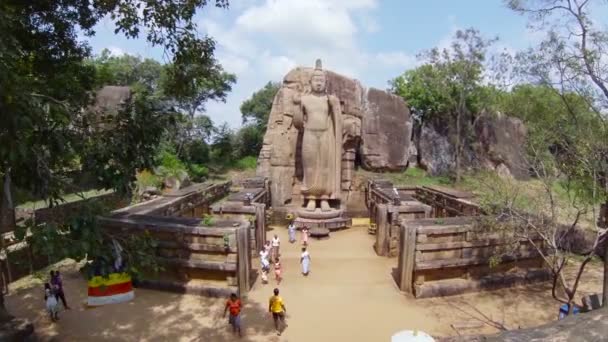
point(116, 51)
point(397, 59)
point(294, 23)
point(370, 25)
point(270, 37)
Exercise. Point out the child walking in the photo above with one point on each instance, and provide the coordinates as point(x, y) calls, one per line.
point(305, 236)
point(277, 271)
point(51, 302)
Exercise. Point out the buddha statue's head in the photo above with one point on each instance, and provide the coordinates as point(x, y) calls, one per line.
point(318, 80)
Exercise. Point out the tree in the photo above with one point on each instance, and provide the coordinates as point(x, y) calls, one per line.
point(256, 109)
point(448, 86)
point(547, 222)
point(191, 86)
point(128, 144)
point(45, 83)
point(127, 70)
point(248, 141)
point(223, 145)
point(571, 59)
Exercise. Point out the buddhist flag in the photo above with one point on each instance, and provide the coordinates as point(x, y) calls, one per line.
point(116, 288)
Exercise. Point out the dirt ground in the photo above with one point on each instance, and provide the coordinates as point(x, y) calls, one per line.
point(348, 296)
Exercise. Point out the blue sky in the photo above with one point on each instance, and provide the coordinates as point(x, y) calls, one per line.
point(371, 40)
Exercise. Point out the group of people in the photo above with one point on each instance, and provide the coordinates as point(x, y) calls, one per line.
point(53, 292)
point(270, 253)
point(276, 308)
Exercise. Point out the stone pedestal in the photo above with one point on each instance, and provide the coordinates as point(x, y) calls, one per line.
point(321, 223)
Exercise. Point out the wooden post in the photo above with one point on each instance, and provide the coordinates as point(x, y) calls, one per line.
point(382, 228)
point(407, 255)
point(260, 225)
point(243, 260)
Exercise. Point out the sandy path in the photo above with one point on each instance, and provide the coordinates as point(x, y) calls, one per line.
point(349, 296)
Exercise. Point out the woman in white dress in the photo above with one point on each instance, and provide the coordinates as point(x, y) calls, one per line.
point(305, 261)
point(51, 302)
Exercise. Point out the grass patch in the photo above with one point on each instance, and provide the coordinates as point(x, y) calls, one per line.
point(411, 177)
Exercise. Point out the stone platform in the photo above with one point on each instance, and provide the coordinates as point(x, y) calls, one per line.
point(321, 223)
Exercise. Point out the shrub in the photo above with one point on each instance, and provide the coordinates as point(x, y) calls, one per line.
point(171, 166)
point(198, 172)
point(146, 179)
point(246, 163)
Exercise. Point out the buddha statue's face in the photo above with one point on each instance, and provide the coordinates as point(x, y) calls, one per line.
point(318, 82)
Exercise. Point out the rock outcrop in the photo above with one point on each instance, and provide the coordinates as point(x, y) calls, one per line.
point(497, 143)
point(376, 130)
point(501, 145)
point(435, 153)
point(386, 132)
point(109, 100)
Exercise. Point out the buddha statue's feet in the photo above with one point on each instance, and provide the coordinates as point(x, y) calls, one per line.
point(311, 205)
point(325, 206)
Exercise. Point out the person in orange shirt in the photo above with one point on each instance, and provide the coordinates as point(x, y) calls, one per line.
point(234, 305)
point(277, 308)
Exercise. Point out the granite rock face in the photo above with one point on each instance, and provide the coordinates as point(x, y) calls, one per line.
point(435, 153)
point(501, 145)
point(497, 144)
point(376, 133)
point(386, 133)
point(109, 100)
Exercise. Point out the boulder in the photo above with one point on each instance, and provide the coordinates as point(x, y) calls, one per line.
point(435, 153)
point(497, 143)
point(501, 145)
point(386, 132)
point(109, 100)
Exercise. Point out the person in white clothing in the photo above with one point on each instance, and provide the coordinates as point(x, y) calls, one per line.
point(305, 261)
point(291, 229)
point(51, 302)
point(265, 264)
point(276, 243)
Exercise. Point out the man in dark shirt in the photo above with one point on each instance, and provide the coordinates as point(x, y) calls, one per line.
point(58, 286)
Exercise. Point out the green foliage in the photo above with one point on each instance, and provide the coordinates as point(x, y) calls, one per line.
point(126, 70)
point(198, 172)
point(145, 179)
point(494, 260)
point(169, 165)
point(208, 220)
point(222, 146)
point(128, 145)
point(191, 86)
point(46, 79)
point(196, 152)
point(448, 88)
point(246, 163)
point(256, 109)
point(416, 177)
point(248, 141)
point(83, 238)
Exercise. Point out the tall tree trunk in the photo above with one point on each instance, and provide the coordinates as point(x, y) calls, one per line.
point(457, 147)
point(7, 223)
point(605, 288)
